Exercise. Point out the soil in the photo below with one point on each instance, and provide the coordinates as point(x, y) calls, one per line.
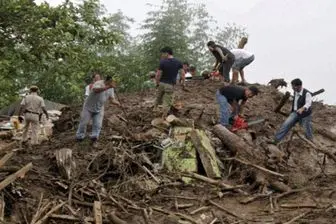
point(112, 172)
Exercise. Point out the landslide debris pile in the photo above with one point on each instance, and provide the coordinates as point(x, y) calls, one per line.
point(185, 169)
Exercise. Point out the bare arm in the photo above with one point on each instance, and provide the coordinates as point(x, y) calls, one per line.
point(45, 112)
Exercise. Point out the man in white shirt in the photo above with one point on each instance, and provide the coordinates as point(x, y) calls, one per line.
point(93, 108)
point(242, 59)
point(301, 112)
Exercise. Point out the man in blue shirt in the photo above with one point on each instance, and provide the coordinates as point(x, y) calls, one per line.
point(166, 79)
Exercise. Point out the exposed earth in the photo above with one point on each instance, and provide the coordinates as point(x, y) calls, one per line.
point(114, 173)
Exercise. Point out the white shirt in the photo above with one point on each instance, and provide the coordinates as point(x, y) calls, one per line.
point(308, 100)
point(241, 53)
point(87, 91)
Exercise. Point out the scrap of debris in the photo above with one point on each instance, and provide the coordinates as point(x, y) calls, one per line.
point(181, 169)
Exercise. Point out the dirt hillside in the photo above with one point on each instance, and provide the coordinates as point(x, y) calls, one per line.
point(125, 174)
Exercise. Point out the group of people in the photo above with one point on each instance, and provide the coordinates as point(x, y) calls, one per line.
point(231, 98)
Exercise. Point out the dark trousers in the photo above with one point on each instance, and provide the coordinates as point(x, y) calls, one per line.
point(225, 68)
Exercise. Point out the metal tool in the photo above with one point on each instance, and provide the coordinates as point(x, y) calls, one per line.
point(240, 123)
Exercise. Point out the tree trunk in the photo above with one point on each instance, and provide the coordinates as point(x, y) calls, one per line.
point(256, 158)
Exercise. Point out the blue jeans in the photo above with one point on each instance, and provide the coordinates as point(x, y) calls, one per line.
point(224, 109)
point(291, 121)
point(97, 121)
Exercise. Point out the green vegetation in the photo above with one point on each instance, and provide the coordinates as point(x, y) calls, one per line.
point(56, 48)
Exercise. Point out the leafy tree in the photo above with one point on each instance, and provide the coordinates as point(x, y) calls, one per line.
point(52, 47)
point(168, 25)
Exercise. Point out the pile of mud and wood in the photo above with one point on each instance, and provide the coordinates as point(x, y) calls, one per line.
point(181, 169)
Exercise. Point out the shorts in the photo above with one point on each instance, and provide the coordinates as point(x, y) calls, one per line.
point(241, 63)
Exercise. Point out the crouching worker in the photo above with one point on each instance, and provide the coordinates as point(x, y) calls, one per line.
point(31, 106)
point(231, 100)
point(94, 108)
point(301, 112)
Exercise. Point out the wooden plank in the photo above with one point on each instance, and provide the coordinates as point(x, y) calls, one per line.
point(5, 158)
point(8, 146)
point(206, 153)
point(97, 212)
point(11, 178)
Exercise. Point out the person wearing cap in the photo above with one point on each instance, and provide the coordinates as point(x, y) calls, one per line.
point(166, 79)
point(30, 108)
point(231, 100)
point(301, 112)
point(224, 60)
point(93, 108)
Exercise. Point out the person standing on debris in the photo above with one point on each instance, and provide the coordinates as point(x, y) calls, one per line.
point(30, 107)
point(166, 79)
point(93, 108)
point(224, 60)
point(96, 77)
point(242, 59)
point(231, 100)
point(301, 112)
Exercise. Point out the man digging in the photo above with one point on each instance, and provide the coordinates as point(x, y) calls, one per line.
point(301, 112)
point(231, 100)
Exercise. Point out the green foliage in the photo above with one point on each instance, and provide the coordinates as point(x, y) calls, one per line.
point(57, 47)
point(52, 47)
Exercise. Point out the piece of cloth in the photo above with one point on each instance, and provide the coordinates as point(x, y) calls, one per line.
point(233, 93)
point(33, 103)
point(87, 90)
point(165, 95)
point(289, 124)
point(225, 52)
point(241, 63)
point(224, 109)
point(169, 69)
point(225, 68)
point(97, 121)
point(32, 122)
point(95, 101)
point(241, 54)
point(307, 99)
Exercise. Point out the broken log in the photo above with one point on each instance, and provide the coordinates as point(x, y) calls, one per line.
point(97, 212)
point(244, 152)
point(8, 146)
point(11, 178)
point(65, 163)
point(318, 148)
point(70, 218)
point(115, 220)
point(173, 120)
point(324, 132)
point(206, 153)
point(210, 181)
point(5, 158)
point(160, 123)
